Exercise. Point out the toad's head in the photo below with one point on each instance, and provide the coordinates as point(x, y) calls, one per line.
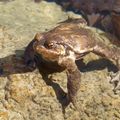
point(49, 49)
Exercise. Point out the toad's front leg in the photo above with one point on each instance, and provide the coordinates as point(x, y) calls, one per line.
point(73, 77)
point(29, 55)
point(73, 84)
point(110, 53)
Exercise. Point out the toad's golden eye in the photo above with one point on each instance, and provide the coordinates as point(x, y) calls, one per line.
point(50, 45)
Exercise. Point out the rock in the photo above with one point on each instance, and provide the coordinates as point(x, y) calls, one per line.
point(30, 95)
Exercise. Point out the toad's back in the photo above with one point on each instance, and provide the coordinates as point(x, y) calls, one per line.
point(76, 35)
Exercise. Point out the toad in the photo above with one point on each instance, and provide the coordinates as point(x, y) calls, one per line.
point(67, 43)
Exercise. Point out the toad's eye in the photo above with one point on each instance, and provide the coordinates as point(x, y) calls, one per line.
point(50, 45)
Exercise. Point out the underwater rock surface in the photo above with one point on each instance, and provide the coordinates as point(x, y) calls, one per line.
point(29, 95)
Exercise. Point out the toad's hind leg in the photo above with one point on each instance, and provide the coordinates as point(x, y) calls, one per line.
point(110, 53)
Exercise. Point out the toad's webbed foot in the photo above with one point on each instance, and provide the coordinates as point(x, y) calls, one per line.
point(112, 53)
point(115, 79)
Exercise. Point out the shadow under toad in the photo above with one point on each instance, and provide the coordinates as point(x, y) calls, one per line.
point(14, 64)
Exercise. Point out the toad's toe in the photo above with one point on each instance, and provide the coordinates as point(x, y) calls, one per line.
point(117, 87)
point(115, 79)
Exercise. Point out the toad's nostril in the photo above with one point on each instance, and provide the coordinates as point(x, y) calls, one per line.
point(36, 46)
point(38, 36)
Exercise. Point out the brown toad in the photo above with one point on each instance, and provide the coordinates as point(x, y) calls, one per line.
point(65, 44)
